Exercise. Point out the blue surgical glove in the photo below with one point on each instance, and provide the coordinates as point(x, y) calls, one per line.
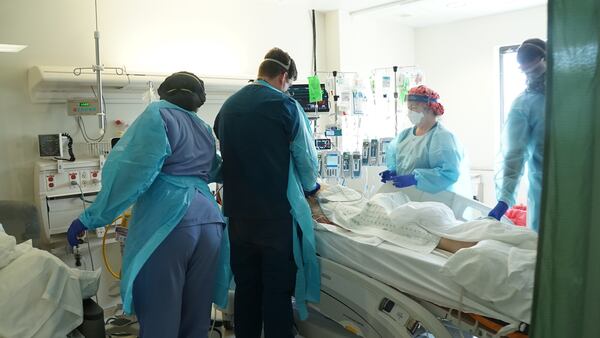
point(312, 192)
point(404, 181)
point(75, 229)
point(387, 175)
point(499, 210)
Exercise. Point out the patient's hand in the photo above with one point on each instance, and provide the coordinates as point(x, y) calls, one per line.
point(315, 209)
point(324, 187)
point(314, 205)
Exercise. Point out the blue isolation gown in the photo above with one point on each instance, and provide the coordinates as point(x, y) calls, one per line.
point(142, 171)
point(302, 176)
point(523, 142)
point(436, 159)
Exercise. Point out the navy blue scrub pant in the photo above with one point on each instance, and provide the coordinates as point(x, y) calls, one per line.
point(172, 294)
point(263, 267)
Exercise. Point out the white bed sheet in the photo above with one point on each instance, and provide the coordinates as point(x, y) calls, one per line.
point(417, 274)
point(40, 296)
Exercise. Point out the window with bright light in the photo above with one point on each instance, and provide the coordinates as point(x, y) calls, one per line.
point(512, 80)
point(512, 83)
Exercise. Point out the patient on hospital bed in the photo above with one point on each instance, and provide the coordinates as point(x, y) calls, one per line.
point(419, 226)
point(40, 296)
point(445, 244)
point(494, 260)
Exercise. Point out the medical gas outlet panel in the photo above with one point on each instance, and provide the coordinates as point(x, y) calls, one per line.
point(69, 181)
point(59, 186)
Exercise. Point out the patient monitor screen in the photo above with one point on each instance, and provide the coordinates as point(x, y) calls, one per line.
point(300, 93)
point(323, 143)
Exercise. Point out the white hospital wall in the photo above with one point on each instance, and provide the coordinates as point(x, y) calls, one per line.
point(371, 42)
point(209, 38)
point(362, 43)
point(460, 61)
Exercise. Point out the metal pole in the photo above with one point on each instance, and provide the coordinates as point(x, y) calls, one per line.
point(395, 68)
point(335, 107)
point(98, 68)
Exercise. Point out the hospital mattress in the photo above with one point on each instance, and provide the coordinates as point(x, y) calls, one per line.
point(414, 273)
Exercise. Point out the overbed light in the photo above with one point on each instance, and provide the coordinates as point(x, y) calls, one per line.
point(5, 48)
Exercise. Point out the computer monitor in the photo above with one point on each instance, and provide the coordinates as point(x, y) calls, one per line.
point(300, 93)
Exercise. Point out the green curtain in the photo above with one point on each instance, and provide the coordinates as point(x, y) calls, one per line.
point(567, 294)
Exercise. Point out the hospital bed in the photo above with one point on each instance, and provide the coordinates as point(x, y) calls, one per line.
point(390, 291)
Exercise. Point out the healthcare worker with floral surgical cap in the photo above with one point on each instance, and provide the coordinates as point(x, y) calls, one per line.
point(426, 155)
point(162, 165)
point(523, 136)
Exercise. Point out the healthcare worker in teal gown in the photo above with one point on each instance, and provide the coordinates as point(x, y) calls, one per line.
point(269, 164)
point(427, 155)
point(162, 166)
point(523, 137)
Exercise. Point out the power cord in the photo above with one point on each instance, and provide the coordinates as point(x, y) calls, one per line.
point(83, 201)
point(69, 147)
point(81, 123)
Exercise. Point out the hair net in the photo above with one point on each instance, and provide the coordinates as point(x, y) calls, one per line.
point(183, 89)
point(426, 95)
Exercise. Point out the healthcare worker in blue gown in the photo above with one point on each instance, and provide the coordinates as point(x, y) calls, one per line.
point(523, 136)
point(162, 166)
point(427, 155)
point(269, 164)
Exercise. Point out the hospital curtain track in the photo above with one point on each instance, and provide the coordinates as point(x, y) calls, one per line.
point(567, 295)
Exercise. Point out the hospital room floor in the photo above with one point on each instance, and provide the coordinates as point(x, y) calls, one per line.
point(108, 313)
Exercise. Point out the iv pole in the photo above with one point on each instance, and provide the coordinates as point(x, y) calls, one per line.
point(98, 68)
point(335, 105)
point(395, 68)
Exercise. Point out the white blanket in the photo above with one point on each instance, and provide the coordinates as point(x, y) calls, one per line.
point(373, 217)
point(40, 296)
point(501, 266)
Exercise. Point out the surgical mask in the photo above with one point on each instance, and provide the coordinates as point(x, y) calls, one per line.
point(415, 117)
point(536, 71)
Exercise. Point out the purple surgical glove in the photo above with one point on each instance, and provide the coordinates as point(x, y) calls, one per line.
point(312, 192)
point(387, 175)
point(75, 229)
point(499, 210)
point(404, 181)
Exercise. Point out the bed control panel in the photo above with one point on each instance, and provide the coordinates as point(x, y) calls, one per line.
point(397, 313)
point(386, 305)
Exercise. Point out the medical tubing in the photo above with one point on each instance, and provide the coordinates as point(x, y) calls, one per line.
point(88, 242)
point(82, 198)
point(348, 200)
point(69, 148)
point(106, 263)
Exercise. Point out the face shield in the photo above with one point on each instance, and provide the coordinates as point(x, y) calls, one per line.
point(534, 69)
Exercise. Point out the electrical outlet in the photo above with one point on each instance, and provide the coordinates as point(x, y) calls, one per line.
point(100, 232)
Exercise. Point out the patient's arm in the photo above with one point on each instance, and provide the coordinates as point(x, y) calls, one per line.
point(317, 213)
point(453, 246)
